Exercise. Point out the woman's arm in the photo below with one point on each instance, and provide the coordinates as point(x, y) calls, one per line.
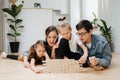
point(53, 56)
point(47, 57)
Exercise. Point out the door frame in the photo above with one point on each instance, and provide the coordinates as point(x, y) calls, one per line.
point(1, 27)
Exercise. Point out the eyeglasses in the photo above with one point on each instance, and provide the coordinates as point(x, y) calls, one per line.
point(81, 34)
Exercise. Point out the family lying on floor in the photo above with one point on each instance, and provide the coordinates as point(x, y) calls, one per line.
point(89, 49)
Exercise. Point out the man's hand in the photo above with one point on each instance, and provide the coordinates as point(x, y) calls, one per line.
point(93, 61)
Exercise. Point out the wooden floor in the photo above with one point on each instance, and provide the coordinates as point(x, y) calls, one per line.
point(14, 70)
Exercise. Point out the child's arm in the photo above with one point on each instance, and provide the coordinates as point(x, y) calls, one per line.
point(85, 50)
point(85, 55)
point(25, 61)
point(32, 66)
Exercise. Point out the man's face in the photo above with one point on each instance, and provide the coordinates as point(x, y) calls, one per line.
point(84, 35)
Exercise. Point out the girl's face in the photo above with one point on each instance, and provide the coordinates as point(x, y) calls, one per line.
point(40, 51)
point(66, 33)
point(52, 38)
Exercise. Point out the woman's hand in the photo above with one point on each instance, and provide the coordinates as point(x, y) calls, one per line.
point(53, 56)
point(55, 46)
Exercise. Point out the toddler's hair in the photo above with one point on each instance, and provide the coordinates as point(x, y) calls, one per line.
point(63, 24)
point(62, 19)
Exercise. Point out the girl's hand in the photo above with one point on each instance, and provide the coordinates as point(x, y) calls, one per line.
point(26, 64)
point(38, 71)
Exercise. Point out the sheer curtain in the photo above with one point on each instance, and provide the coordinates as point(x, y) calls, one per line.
point(90, 6)
point(103, 9)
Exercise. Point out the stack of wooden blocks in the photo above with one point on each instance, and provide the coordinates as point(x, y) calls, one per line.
point(62, 66)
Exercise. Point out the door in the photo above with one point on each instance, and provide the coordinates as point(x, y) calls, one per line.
point(1, 27)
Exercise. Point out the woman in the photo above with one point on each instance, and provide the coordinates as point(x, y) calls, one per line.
point(51, 34)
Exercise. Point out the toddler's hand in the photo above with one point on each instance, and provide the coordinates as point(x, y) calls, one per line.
point(83, 59)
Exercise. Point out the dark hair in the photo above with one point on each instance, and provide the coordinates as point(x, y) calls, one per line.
point(62, 19)
point(49, 29)
point(84, 24)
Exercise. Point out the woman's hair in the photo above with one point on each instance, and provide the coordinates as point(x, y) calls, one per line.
point(32, 51)
point(63, 24)
point(50, 29)
point(84, 24)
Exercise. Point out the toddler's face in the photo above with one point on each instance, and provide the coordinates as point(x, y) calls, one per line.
point(66, 33)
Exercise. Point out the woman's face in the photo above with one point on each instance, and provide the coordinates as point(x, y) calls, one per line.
point(40, 51)
point(52, 38)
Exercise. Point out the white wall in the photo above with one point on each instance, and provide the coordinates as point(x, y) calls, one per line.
point(35, 22)
point(44, 5)
point(114, 21)
point(112, 17)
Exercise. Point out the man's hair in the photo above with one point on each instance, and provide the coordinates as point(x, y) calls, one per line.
point(84, 24)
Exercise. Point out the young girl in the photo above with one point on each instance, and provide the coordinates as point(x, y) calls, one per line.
point(37, 54)
point(68, 42)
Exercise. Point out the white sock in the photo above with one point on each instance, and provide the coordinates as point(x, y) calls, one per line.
point(3, 55)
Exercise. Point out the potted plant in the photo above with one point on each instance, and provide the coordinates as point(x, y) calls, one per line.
point(106, 32)
point(14, 25)
point(94, 21)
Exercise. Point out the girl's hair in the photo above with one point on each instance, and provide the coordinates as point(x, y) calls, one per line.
point(34, 46)
point(32, 52)
point(63, 24)
point(50, 29)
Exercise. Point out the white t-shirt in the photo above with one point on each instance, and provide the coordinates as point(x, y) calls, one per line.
point(73, 43)
point(89, 45)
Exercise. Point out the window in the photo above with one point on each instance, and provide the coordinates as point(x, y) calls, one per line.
point(90, 6)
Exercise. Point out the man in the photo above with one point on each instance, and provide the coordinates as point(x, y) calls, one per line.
point(99, 52)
